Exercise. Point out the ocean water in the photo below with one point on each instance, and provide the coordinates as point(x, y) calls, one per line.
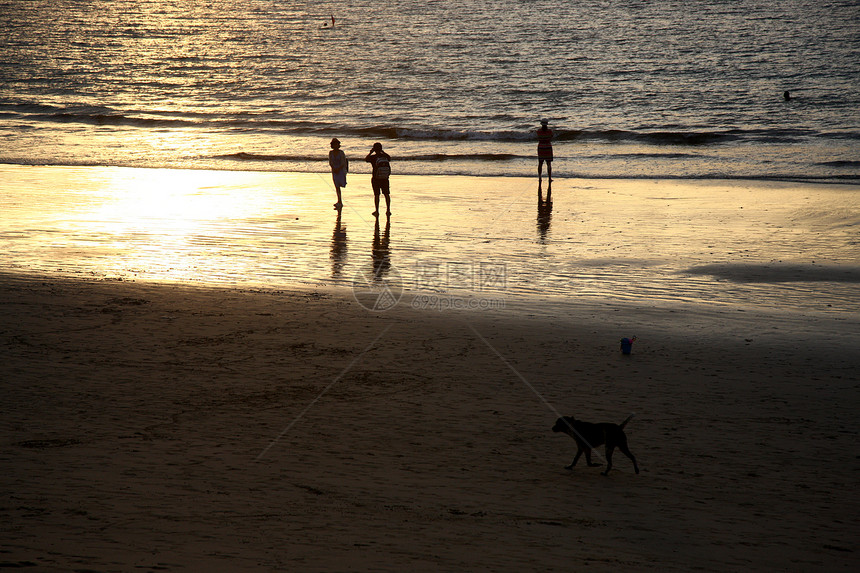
point(632, 89)
point(187, 141)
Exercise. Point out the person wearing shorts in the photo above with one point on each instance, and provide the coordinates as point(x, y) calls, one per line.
point(379, 180)
point(544, 150)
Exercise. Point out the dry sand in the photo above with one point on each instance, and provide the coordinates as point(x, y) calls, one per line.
point(164, 428)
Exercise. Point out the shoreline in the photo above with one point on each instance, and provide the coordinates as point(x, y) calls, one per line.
point(180, 427)
point(836, 179)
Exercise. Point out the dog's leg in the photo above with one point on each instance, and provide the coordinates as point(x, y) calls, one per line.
point(609, 450)
point(588, 459)
point(575, 459)
point(626, 451)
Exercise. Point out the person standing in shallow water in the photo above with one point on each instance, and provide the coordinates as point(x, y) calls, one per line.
point(379, 179)
point(544, 150)
point(339, 166)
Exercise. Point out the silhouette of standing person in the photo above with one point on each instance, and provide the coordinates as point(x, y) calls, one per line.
point(786, 95)
point(339, 166)
point(379, 178)
point(544, 150)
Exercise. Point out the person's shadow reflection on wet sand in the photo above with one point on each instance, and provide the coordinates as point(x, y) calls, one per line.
point(338, 247)
point(544, 214)
point(380, 252)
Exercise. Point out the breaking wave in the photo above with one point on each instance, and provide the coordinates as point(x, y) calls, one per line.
point(283, 123)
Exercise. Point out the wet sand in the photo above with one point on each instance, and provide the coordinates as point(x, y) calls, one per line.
point(666, 241)
point(163, 427)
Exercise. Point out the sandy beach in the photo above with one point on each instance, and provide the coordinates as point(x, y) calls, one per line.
point(167, 428)
point(197, 375)
point(206, 365)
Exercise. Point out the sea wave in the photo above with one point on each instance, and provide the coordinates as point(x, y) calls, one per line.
point(413, 165)
point(680, 137)
point(245, 156)
point(449, 157)
point(275, 121)
point(845, 163)
point(113, 119)
point(433, 157)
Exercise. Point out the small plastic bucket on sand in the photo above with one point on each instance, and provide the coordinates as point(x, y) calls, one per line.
point(627, 345)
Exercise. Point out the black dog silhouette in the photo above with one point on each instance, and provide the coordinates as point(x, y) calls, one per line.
point(588, 436)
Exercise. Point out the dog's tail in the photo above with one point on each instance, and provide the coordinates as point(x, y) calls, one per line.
point(624, 423)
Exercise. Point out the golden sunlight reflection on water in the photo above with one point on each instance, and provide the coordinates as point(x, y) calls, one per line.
point(179, 203)
point(599, 239)
point(206, 226)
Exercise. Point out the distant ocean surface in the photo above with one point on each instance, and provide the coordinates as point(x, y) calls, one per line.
point(632, 89)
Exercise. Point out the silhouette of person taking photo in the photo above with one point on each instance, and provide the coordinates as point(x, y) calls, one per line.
point(380, 161)
point(339, 166)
